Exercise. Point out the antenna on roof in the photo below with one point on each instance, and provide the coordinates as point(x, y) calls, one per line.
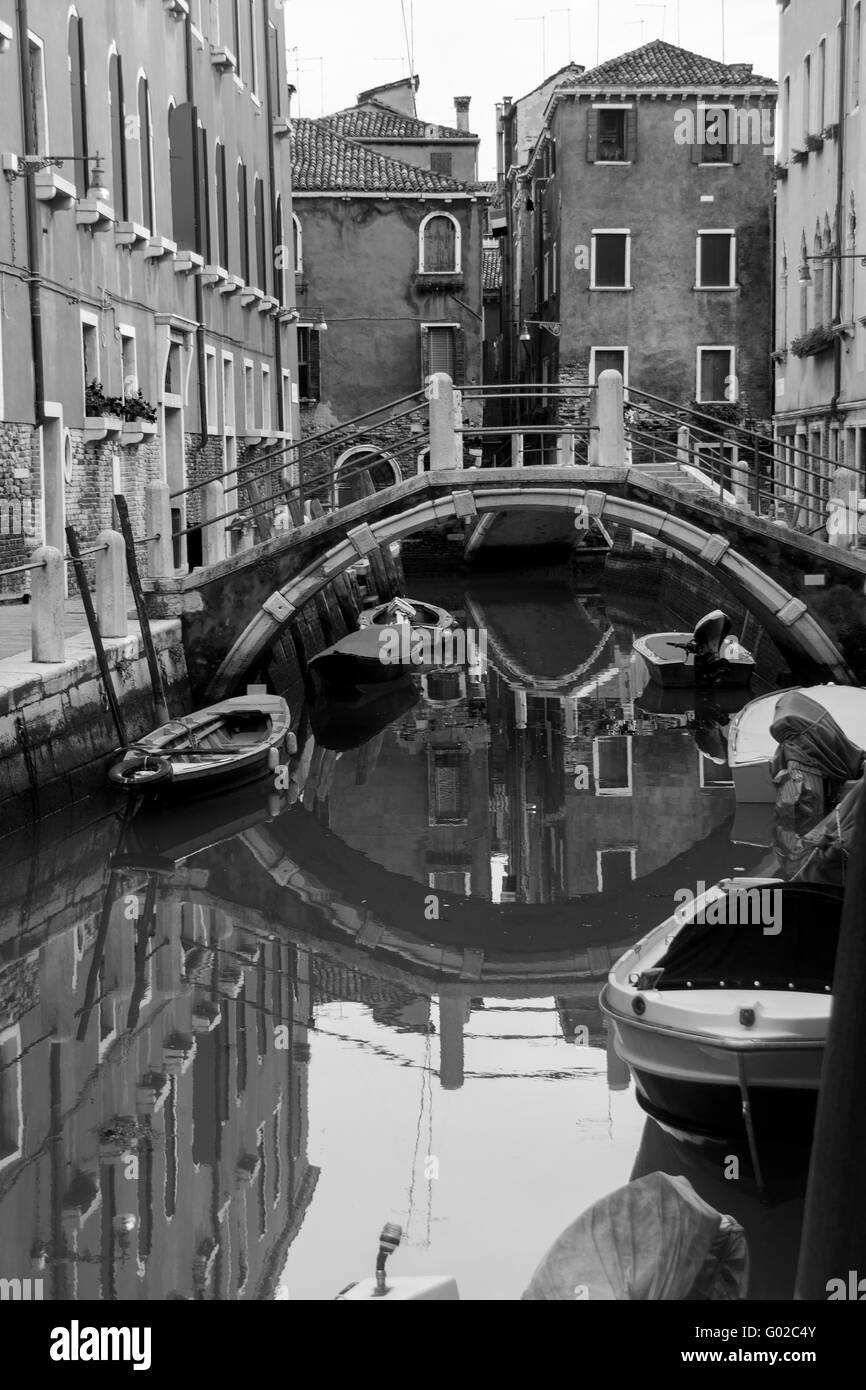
point(664, 10)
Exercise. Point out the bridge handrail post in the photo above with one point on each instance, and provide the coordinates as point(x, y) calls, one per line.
point(443, 436)
point(213, 531)
point(47, 611)
point(157, 514)
point(565, 449)
point(611, 421)
point(111, 585)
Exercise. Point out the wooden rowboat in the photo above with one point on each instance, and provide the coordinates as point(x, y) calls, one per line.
point(224, 745)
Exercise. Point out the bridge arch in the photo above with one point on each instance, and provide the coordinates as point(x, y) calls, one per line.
point(780, 610)
point(382, 470)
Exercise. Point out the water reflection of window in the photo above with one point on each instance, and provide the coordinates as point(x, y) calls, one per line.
point(11, 1106)
point(447, 801)
point(451, 881)
point(714, 774)
point(278, 1164)
point(612, 765)
point(263, 1181)
point(170, 1192)
point(615, 868)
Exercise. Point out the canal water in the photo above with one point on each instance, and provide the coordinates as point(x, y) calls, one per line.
point(236, 1039)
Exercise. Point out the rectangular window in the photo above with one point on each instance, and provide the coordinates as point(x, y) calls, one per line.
point(821, 88)
point(249, 396)
point(716, 264)
point(608, 359)
point(128, 362)
point(440, 350)
point(210, 377)
point(236, 36)
point(266, 398)
point(612, 765)
point(546, 284)
point(807, 94)
point(612, 137)
point(309, 370)
point(615, 869)
point(228, 395)
point(286, 390)
point(716, 381)
point(785, 147)
point(716, 125)
point(11, 1097)
point(253, 48)
point(554, 268)
point(856, 41)
point(90, 348)
point(441, 162)
point(37, 116)
point(611, 261)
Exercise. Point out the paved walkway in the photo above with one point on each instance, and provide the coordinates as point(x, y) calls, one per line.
point(15, 625)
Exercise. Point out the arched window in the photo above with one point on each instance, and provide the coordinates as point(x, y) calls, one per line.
point(222, 206)
point(817, 280)
point(145, 136)
point(359, 467)
point(243, 224)
point(298, 243)
point(120, 191)
point(439, 244)
point(78, 100)
point(261, 235)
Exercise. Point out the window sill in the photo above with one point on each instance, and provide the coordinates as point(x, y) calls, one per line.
point(134, 431)
point(716, 164)
point(99, 427)
point(188, 263)
point(280, 127)
point(612, 289)
point(214, 275)
point(616, 163)
point(159, 246)
point(231, 285)
point(51, 188)
point(130, 234)
point(99, 217)
point(249, 295)
point(223, 60)
point(716, 289)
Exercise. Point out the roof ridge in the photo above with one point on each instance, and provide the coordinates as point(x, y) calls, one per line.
point(629, 64)
point(368, 166)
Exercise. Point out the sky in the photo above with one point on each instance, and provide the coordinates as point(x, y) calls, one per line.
point(493, 48)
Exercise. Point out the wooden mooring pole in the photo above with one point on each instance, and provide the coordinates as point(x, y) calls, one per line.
point(834, 1225)
point(92, 623)
point(160, 703)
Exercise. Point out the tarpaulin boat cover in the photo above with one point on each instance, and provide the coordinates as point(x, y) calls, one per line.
point(810, 737)
point(822, 855)
point(652, 1240)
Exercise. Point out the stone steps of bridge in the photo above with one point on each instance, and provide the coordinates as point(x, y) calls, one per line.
point(676, 476)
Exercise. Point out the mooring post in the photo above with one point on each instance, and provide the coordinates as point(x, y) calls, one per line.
point(111, 585)
point(47, 612)
point(213, 530)
point(157, 514)
point(834, 1224)
point(611, 422)
point(443, 439)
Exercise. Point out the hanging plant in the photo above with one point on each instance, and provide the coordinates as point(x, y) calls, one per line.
point(817, 340)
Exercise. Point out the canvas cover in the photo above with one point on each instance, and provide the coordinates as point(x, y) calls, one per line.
point(809, 737)
point(652, 1240)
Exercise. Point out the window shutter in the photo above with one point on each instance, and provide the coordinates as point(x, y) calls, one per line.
point(315, 365)
point(631, 134)
point(736, 154)
point(591, 135)
point(181, 135)
point(425, 354)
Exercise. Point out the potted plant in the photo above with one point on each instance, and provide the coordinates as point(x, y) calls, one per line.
point(816, 341)
point(139, 418)
point(102, 413)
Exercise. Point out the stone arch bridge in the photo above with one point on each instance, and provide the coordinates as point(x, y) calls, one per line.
point(807, 594)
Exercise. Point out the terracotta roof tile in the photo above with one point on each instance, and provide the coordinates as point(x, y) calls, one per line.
point(491, 268)
point(660, 64)
point(323, 161)
point(376, 121)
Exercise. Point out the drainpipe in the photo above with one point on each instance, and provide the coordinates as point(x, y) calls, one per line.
point(197, 218)
point(272, 190)
point(840, 198)
point(34, 279)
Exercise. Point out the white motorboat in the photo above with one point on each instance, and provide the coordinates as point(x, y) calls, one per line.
point(752, 747)
point(709, 656)
point(722, 1011)
point(382, 1287)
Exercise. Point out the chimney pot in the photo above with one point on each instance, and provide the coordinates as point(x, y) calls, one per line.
point(461, 106)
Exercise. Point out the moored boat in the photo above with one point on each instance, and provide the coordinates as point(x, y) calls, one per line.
point(753, 747)
point(382, 652)
point(418, 614)
point(223, 745)
point(722, 1011)
point(709, 656)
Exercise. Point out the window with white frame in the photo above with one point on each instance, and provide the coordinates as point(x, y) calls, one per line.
point(612, 765)
point(856, 57)
point(716, 375)
point(546, 277)
point(716, 125)
point(610, 264)
point(228, 393)
point(253, 46)
point(615, 868)
point(128, 360)
point(554, 268)
point(11, 1097)
point(298, 236)
point(210, 376)
point(806, 113)
point(89, 349)
point(249, 395)
point(37, 115)
point(821, 87)
point(608, 359)
point(266, 398)
point(439, 345)
point(716, 260)
point(286, 389)
point(439, 246)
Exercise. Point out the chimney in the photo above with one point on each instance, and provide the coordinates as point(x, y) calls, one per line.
point(461, 106)
point(291, 92)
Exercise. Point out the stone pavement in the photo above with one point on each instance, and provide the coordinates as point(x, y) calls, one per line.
point(15, 625)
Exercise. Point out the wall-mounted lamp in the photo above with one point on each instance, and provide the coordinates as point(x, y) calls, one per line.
point(5, 37)
point(96, 189)
point(526, 336)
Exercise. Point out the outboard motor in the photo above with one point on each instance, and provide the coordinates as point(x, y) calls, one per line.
point(709, 635)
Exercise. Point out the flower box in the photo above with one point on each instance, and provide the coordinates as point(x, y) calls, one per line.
point(99, 427)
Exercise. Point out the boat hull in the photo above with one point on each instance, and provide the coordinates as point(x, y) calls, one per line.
point(672, 668)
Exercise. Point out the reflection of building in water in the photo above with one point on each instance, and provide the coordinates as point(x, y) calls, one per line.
point(123, 1038)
